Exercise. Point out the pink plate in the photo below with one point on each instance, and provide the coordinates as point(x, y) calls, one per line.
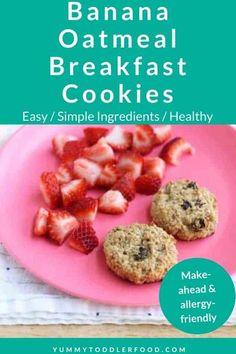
point(28, 154)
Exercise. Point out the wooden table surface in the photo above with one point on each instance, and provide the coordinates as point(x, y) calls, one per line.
point(80, 331)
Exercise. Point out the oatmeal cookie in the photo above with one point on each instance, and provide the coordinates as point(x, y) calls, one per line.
point(140, 253)
point(185, 210)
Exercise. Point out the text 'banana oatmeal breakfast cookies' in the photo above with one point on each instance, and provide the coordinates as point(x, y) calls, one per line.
point(185, 210)
point(140, 253)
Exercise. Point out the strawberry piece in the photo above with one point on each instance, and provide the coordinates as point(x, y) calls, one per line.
point(41, 222)
point(93, 134)
point(84, 209)
point(50, 189)
point(101, 152)
point(59, 141)
point(131, 161)
point(108, 176)
point(88, 170)
point(83, 238)
point(112, 202)
point(73, 191)
point(126, 186)
point(162, 134)
point(147, 184)
point(119, 139)
point(73, 150)
point(174, 149)
point(60, 223)
point(143, 139)
point(154, 166)
point(64, 174)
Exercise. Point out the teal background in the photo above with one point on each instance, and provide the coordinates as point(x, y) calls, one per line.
point(192, 346)
point(205, 38)
point(223, 297)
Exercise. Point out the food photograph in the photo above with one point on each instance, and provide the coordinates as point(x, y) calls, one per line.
point(93, 217)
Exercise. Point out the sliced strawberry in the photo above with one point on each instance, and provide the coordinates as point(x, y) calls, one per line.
point(154, 166)
point(109, 175)
point(101, 152)
point(131, 161)
point(73, 150)
point(143, 139)
point(84, 209)
point(41, 222)
point(60, 223)
point(162, 134)
point(64, 174)
point(93, 134)
point(126, 186)
point(147, 184)
point(88, 170)
point(119, 139)
point(112, 202)
point(50, 189)
point(73, 191)
point(174, 149)
point(59, 141)
point(83, 238)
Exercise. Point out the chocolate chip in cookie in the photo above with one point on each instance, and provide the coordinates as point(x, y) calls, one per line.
point(192, 185)
point(142, 253)
point(186, 204)
point(198, 224)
